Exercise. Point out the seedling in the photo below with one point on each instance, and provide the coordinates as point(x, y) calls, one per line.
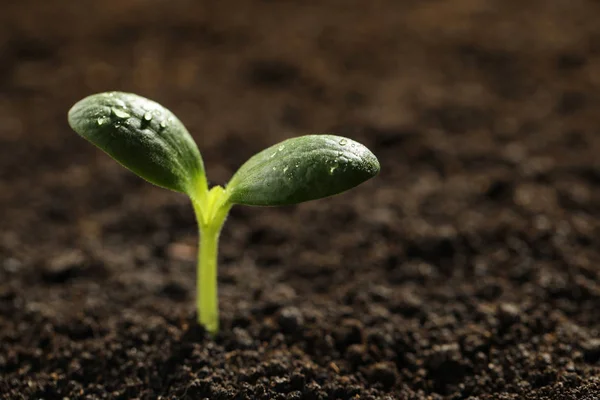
point(149, 140)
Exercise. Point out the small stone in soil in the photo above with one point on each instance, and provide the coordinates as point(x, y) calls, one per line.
point(280, 385)
point(508, 313)
point(242, 338)
point(383, 373)
point(290, 320)
point(296, 395)
point(63, 267)
point(181, 252)
point(350, 332)
point(591, 350)
point(11, 265)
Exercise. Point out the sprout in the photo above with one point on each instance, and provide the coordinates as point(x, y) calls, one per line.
point(149, 140)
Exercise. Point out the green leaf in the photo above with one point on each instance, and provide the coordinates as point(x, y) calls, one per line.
point(301, 169)
point(143, 136)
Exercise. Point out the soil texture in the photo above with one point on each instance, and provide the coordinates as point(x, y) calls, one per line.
point(468, 269)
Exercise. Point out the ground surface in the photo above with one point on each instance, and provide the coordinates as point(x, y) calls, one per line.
point(469, 269)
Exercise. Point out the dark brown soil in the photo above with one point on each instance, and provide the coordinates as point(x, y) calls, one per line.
point(469, 269)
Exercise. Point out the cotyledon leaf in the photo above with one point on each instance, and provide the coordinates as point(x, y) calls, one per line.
point(143, 136)
point(301, 169)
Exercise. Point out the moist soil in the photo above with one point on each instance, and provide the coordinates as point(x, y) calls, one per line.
point(468, 269)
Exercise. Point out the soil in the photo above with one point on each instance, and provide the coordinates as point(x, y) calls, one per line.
point(468, 269)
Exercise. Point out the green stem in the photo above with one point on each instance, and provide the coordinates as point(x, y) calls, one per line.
point(211, 211)
point(206, 279)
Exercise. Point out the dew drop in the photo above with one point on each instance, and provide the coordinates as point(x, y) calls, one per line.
point(148, 117)
point(274, 168)
point(119, 113)
point(285, 169)
point(163, 124)
point(343, 142)
point(281, 147)
point(333, 168)
point(102, 120)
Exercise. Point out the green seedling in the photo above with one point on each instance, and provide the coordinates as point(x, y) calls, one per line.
point(149, 140)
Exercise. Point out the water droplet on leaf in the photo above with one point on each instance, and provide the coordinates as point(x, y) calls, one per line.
point(148, 117)
point(281, 147)
point(119, 113)
point(102, 120)
point(163, 125)
point(343, 142)
point(333, 167)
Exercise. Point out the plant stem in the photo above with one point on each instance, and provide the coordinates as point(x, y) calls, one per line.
point(206, 279)
point(211, 211)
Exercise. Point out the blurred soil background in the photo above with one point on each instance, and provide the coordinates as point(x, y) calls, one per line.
point(469, 269)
